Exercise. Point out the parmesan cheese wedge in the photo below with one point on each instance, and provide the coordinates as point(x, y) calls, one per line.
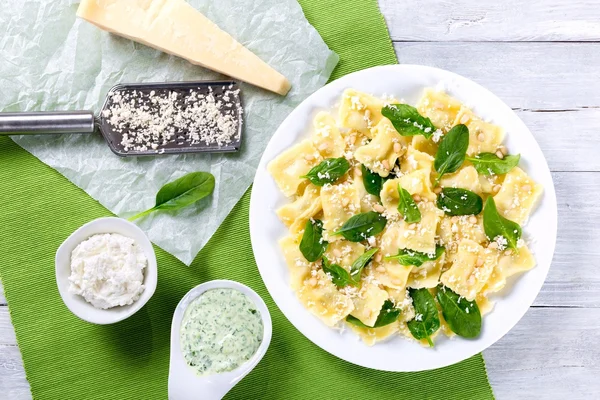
point(177, 28)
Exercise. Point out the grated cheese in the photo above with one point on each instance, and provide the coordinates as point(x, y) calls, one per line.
point(152, 120)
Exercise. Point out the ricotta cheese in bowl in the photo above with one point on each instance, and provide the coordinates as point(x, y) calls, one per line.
point(107, 270)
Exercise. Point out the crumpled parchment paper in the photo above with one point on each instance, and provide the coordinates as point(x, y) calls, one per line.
point(50, 60)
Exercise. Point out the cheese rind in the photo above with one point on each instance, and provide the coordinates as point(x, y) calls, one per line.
point(175, 27)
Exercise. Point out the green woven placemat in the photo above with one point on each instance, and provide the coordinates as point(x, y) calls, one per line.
point(66, 358)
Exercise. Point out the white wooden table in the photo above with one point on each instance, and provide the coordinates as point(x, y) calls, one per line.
point(542, 57)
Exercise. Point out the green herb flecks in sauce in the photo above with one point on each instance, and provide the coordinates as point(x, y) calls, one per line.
point(221, 330)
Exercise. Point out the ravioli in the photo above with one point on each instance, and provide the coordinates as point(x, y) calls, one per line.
point(364, 231)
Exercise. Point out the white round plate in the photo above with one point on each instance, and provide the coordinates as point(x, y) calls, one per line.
point(398, 354)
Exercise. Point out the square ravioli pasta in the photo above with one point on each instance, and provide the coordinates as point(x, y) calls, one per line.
point(398, 216)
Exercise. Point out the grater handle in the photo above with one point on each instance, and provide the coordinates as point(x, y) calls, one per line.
point(39, 123)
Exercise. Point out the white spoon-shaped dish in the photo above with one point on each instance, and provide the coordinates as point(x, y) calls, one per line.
point(184, 383)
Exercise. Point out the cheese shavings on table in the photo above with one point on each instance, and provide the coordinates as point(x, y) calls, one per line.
point(56, 61)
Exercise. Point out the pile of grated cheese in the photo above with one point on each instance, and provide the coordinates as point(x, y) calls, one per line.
point(151, 120)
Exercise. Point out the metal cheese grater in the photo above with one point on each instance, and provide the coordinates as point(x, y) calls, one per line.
point(226, 94)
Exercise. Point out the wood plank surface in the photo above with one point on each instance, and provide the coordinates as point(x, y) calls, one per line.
point(527, 76)
point(563, 133)
point(552, 354)
point(13, 384)
point(485, 20)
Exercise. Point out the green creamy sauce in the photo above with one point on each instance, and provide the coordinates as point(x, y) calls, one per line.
point(221, 330)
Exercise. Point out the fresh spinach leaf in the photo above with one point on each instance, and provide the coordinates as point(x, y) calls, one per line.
point(427, 320)
point(452, 151)
point(407, 206)
point(407, 120)
point(388, 314)
point(496, 225)
point(408, 257)
point(339, 276)
point(360, 263)
point(362, 226)
point(328, 171)
point(456, 201)
point(182, 192)
point(373, 181)
point(463, 316)
point(312, 245)
point(491, 164)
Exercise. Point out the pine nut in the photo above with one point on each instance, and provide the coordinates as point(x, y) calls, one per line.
point(473, 219)
point(312, 281)
point(437, 190)
point(357, 171)
point(378, 208)
point(345, 202)
point(499, 154)
point(481, 137)
point(493, 245)
point(380, 269)
point(508, 252)
point(479, 262)
point(385, 164)
point(503, 149)
point(309, 157)
point(378, 257)
point(496, 189)
point(397, 147)
point(337, 253)
point(416, 197)
point(454, 219)
point(323, 146)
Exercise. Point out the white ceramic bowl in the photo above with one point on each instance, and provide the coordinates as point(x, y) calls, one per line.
point(406, 82)
point(184, 383)
point(76, 303)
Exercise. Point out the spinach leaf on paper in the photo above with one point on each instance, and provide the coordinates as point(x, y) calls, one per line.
point(182, 192)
